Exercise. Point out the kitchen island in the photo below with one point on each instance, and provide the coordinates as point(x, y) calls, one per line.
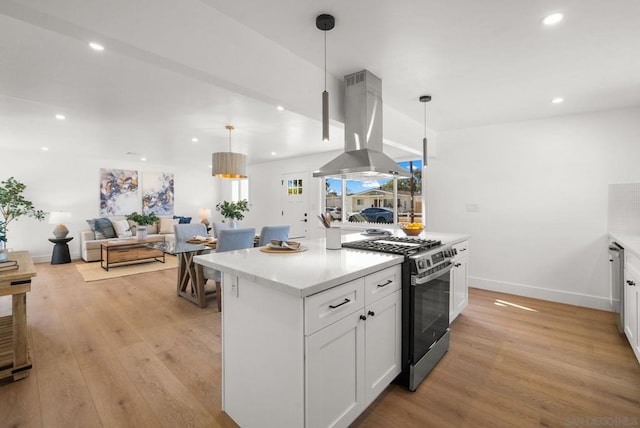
point(300, 346)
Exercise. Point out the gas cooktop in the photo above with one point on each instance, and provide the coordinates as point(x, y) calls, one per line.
point(394, 245)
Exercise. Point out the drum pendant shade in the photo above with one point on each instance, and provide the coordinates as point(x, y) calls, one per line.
point(229, 164)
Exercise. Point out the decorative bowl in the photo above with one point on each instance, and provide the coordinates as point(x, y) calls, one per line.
point(412, 231)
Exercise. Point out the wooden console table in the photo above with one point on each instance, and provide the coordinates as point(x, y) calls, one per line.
point(15, 360)
point(129, 250)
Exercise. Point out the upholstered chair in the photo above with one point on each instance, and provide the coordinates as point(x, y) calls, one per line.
point(229, 240)
point(188, 231)
point(217, 227)
point(280, 233)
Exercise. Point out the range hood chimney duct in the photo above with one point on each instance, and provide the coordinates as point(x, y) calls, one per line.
point(363, 158)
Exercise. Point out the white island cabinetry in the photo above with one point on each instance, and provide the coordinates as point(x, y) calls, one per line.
point(350, 361)
point(309, 339)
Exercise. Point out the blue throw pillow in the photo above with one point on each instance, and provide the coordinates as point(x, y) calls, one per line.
point(182, 220)
point(102, 228)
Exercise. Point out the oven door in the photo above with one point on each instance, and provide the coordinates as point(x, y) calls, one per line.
point(430, 307)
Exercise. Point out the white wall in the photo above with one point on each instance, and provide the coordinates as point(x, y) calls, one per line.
point(541, 188)
point(266, 191)
point(56, 183)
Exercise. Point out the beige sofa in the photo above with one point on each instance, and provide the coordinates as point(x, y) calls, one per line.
point(90, 247)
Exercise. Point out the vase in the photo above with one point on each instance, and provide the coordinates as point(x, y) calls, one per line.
point(141, 233)
point(4, 253)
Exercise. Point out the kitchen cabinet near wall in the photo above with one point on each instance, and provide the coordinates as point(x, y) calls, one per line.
point(459, 297)
point(632, 303)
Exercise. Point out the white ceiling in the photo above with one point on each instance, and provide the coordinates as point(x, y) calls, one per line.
point(172, 70)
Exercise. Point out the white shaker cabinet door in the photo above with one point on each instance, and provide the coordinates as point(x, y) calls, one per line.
point(459, 297)
point(632, 309)
point(383, 344)
point(335, 373)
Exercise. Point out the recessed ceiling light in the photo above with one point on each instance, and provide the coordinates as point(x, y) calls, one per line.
point(45, 149)
point(273, 153)
point(280, 108)
point(143, 159)
point(210, 166)
point(557, 100)
point(552, 19)
point(60, 117)
point(194, 139)
point(96, 47)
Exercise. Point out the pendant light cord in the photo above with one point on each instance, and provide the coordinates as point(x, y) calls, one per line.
point(325, 60)
point(425, 120)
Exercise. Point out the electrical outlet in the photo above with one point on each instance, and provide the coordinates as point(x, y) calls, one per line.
point(472, 208)
point(234, 286)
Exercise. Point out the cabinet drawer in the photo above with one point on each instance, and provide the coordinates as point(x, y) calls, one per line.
point(381, 284)
point(332, 305)
point(632, 260)
point(462, 248)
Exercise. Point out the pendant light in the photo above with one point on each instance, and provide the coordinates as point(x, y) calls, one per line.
point(325, 23)
point(228, 164)
point(425, 99)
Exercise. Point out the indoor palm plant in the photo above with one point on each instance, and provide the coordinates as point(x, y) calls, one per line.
point(233, 211)
point(13, 205)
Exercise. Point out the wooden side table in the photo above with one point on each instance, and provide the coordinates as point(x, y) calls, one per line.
point(15, 360)
point(60, 253)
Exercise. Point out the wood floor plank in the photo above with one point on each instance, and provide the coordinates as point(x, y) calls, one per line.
point(116, 397)
point(65, 398)
point(129, 352)
point(168, 397)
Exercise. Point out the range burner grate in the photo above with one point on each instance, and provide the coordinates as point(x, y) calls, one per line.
point(394, 245)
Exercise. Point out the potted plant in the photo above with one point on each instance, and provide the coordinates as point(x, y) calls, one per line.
point(234, 211)
point(13, 205)
point(142, 221)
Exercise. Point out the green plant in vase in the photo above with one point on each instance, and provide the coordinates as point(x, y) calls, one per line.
point(142, 221)
point(234, 211)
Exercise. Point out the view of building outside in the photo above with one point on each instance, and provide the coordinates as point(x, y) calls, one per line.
point(361, 195)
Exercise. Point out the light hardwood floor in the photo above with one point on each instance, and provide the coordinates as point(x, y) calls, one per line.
point(129, 352)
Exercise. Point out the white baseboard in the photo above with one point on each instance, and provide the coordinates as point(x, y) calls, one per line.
point(569, 298)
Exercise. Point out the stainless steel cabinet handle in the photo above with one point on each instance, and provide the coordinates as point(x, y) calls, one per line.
point(463, 249)
point(340, 304)
point(389, 281)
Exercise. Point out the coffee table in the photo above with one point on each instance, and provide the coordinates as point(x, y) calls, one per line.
point(127, 251)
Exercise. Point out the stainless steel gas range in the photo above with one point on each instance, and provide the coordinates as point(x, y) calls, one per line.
point(425, 301)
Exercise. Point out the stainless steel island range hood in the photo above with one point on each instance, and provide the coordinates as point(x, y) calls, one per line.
point(362, 158)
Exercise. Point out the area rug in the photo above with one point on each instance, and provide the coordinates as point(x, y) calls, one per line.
point(94, 272)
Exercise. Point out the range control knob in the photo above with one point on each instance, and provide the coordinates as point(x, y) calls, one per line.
point(421, 264)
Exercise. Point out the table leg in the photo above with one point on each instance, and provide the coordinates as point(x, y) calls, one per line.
point(190, 282)
point(20, 334)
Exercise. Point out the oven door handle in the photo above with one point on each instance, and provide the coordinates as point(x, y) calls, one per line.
point(424, 280)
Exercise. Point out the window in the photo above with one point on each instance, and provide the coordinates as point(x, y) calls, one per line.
point(373, 201)
point(294, 187)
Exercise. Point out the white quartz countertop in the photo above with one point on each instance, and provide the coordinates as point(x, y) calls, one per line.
point(317, 269)
point(628, 241)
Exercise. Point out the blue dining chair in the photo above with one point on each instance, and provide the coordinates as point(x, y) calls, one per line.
point(188, 231)
point(228, 240)
point(217, 227)
point(280, 233)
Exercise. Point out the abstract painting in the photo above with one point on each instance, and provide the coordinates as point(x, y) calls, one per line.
point(119, 193)
point(157, 192)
